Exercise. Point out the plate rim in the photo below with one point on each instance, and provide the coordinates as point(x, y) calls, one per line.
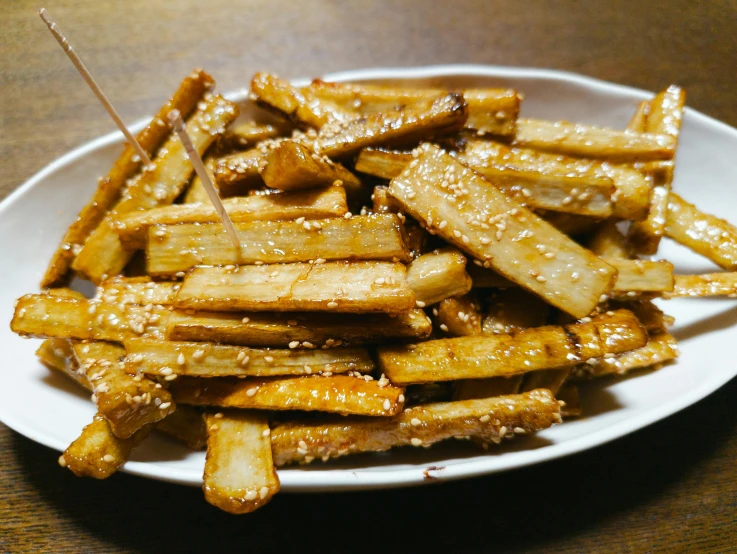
point(294, 480)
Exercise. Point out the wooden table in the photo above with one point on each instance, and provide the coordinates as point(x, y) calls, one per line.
point(670, 487)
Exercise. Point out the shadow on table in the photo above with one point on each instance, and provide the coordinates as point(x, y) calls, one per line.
point(518, 510)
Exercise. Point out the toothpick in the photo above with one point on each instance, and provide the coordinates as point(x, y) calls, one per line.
point(84, 72)
point(175, 120)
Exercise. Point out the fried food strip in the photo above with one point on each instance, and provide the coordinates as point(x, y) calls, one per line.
point(110, 187)
point(631, 199)
point(588, 141)
point(512, 310)
point(664, 116)
point(98, 453)
point(713, 238)
point(249, 133)
point(298, 105)
point(642, 276)
point(239, 471)
point(41, 315)
point(199, 359)
point(608, 241)
point(338, 393)
point(639, 118)
point(310, 204)
point(277, 329)
point(196, 193)
point(175, 248)
point(488, 418)
point(460, 316)
point(660, 348)
point(353, 287)
point(504, 354)
point(648, 314)
point(382, 203)
point(57, 354)
point(490, 110)
point(139, 291)
point(699, 286)
point(291, 166)
point(438, 275)
point(482, 221)
point(585, 194)
point(127, 402)
point(240, 172)
point(187, 425)
point(103, 255)
point(416, 122)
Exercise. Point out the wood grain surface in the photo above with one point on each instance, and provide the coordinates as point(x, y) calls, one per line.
point(669, 488)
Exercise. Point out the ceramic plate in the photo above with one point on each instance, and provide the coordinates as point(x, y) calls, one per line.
point(51, 410)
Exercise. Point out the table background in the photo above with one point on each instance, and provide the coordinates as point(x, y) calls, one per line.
point(671, 487)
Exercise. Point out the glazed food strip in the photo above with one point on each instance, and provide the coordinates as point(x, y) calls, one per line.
point(639, 118)
point(313, 204)
point(585, 194)
point(186, 425)
point(249, 133)
point(460, 316)
point(648, 314)
point(196, 192)
point(502, 355)
point(382, 203)
point(705, 234)
point(291, 166)
point(240, 172)
point(103, 255)
point(664, 116)
point(354, 287)
point(642, 275)
point(298, 105)
point(608, 241)
point(438, 275)
point(461, 207)
point(443, 114)
point(631, 199)
point(489, 418)
point(709, 284)
point(239, 472)
point(200, 359)
point(339, 393)
point(58, 354)
point(140, 291)
point(127, 402)
point(111, 186)
point(175, 248)
point(662, 347)
point(281, 329)
point(98, 453)
point(41, 315)
point(490, 110)
point(575, 139)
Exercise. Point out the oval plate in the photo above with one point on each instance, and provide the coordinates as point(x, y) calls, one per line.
point(49, 409)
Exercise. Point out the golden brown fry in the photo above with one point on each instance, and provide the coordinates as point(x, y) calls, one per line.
point(298, 105)
point(460, 316)
point(98, 453)
point(639, 118)
point(648, 314)
point(312, 204)
point(176, 248)
point(661, 348)
point(127, 402)
point(240, 172)
point(201, 359)
point(140, 291)
point(490, 419)
point(382, 202)
point(492, 111)
point(40, 315)
point(239, 471)
point(281, 329)
point(443, 114)
point(511, 310)
point(291, 166)
point(608, 241)
point(57, 354)
point(338, 394)
point(103, 255)
point(196, 192)
point(502, 355)
point(709, 284)
point(353, 287)
point(186, 425)
point(438, 275)
point(110, 187)
point(249, 133)
point(705, 234)
point(575, 139)
point(378, 162)
point(482, 221)
point(635, 276)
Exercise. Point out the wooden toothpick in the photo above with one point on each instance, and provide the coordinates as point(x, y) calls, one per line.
point(64, 43)
point(175, 120)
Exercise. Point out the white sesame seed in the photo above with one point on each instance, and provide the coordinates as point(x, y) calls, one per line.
point(251, 495)
point(170, 377)
point(294, 344)
point(387, 404)
point(332, 304)
point(400, 398)
point(443, 327)
point(164, 405)
point(263, 493)
point(415, 441)
point(251, 392)
point(266, 433)
point(484, 418)
point(180, 359)
point(268, 359)
point(420, 304)
point(415, 422)
point(166, 371)
point(62, 461)
point(218, 415)
point(348, 215)
point(198, 354)
point(109, 458)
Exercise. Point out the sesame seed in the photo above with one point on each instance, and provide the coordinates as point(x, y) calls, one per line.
point(442, 224)
point(263, 493)
point(415, 422)
point(540, 279)
point(400, 398)
point(180, 359)
point(164, 405)
point(387, 404)
point(251, 392)
point(266, 433)
point(443, 327)
point(484, 418)
point(109, 458)
point(302, 444)
point(420, 304)
point(62, 461)
point(170, 377)
point(241, 356)
point(332, 304)
point(502, 431)
point(198, 354)
point(166, 371)
point(308, 369)
point(415, 441)
point(348, 215)
point(251, 495)
point(294, 344)
point(299, 220)
point(268, 359)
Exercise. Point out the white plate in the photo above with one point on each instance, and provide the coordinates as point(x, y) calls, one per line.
point(50, 410)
